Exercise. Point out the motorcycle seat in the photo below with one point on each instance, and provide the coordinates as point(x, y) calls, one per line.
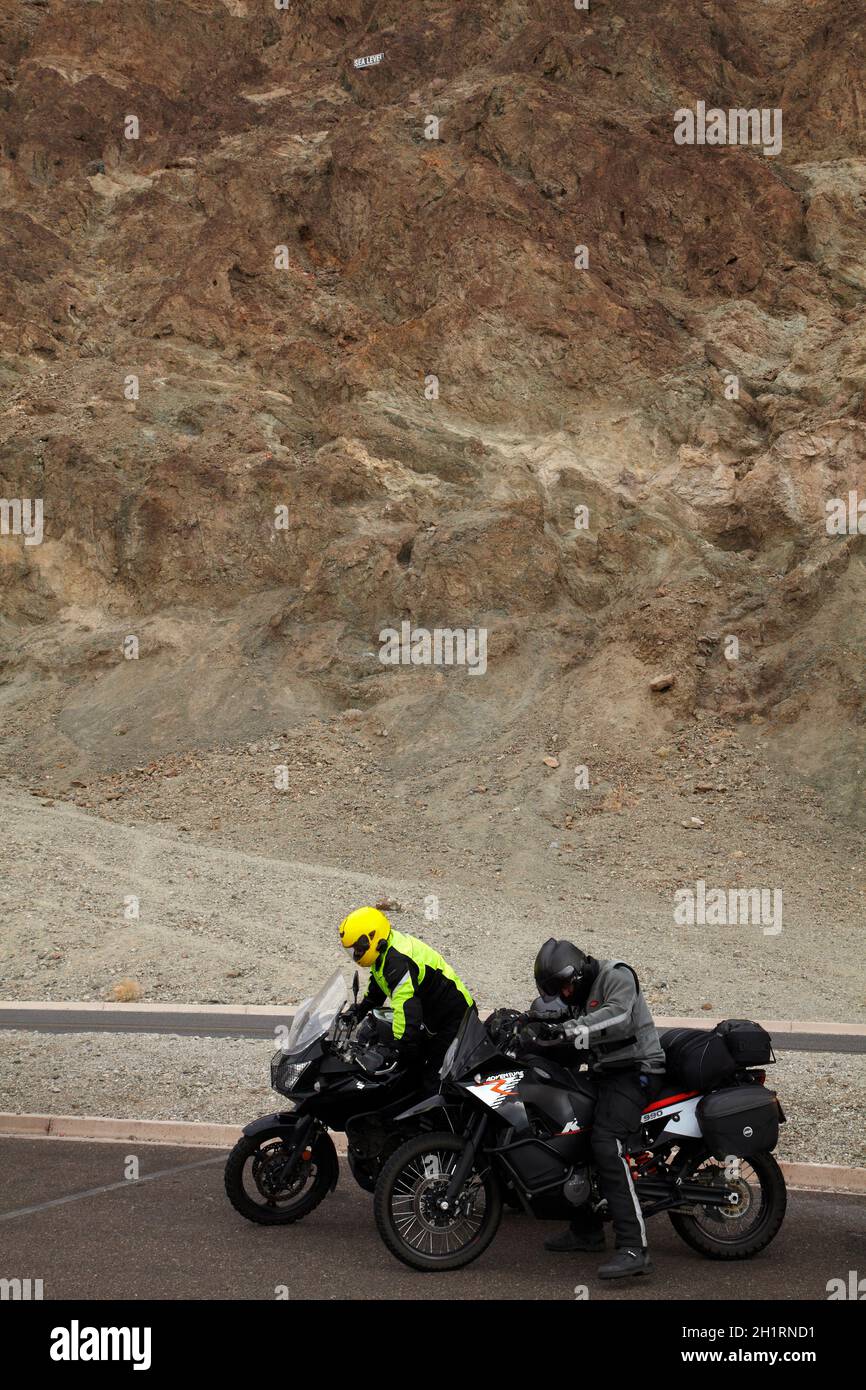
point(668, 1093)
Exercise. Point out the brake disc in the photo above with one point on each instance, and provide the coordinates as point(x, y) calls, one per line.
point(715, 1180)
point(735, 1210)
point(268, 1164)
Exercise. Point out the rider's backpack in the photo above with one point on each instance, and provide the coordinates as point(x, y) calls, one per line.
point(696, 1058)
point(748, 1043)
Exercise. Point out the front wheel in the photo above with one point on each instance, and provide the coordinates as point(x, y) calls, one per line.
point(407, 1212)
point(738, 1231)
point(257, 1186)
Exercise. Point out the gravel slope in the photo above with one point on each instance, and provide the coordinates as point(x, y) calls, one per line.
point(226, 925)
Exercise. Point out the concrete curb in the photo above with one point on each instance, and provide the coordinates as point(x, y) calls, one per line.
point(809, 1177)
point(824, 1177)
point(267, 1010)
point(181, 1132)
point(773, 1025)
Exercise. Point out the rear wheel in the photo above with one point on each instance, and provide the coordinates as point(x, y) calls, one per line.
point(742, 1229)
point(257, 1186)
point(407, 1211)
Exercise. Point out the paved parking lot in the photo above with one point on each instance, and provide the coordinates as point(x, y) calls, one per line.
point(70, 1218)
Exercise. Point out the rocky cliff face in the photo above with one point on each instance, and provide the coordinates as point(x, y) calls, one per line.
point(281, 300)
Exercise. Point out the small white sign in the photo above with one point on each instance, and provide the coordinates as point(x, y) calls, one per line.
point(369, 62)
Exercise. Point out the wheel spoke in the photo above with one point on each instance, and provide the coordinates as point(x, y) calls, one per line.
point(418, 1218)
point(730, 1223)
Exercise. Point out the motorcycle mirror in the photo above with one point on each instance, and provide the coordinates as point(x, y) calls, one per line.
point(355, 987)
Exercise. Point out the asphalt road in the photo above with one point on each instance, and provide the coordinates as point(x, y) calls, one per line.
point(173, 1235)
point(225, 1025)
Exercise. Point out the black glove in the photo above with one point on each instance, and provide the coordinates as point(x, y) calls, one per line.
point(376, 1059)
point(551, 1032)
point(528, 1035)
point(540, 1035)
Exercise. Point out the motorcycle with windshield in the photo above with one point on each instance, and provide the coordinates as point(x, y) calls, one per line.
point(335, 1076)
point(511, 1122)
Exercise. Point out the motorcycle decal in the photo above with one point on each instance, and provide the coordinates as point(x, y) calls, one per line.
point(679, 1117)
point(658, 1108)
point(573, 1127)
point(497, 1089)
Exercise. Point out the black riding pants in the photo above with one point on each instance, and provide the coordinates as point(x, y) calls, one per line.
point(620, 1098)
point(429, 1052)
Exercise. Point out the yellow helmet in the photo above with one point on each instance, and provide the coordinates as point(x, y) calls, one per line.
point(363, 931)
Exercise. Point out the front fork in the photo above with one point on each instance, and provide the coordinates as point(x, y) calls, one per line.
point(464, 1163)
point(300, 1135)
point(292, 1131)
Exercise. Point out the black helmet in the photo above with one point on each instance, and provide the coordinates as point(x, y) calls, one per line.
point(558, 964)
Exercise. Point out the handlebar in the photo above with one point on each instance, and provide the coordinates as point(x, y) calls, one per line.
point(538, 1034)
point(344, 1045)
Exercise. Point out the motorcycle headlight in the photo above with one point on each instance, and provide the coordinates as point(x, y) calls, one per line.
point(286, 1073)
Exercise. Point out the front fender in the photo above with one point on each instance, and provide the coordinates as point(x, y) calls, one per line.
point(283, 1125)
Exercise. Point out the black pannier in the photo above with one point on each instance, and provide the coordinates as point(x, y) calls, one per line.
point(739, 1121)
point(749, 1044)
point(697, 1058)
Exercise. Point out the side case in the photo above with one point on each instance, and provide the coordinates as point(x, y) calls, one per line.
point(739, 1121)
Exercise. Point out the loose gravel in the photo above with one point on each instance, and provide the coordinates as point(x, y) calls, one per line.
point(225, 1081)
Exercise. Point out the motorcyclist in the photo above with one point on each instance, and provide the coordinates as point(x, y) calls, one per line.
point(428, 999)
point(610, 1024)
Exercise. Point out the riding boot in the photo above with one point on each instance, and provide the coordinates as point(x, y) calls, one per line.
point(625, 1262)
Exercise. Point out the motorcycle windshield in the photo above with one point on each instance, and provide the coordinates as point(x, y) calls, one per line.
point(314, 1016)
point(470, 1049)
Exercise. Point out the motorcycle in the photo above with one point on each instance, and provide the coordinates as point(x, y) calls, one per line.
point(510, 1121)
point(335, 1076)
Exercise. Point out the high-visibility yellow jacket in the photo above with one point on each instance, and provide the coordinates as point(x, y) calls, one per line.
point(421, 986)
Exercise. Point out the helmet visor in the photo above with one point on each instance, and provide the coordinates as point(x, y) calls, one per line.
point(360, 948)
point(550, 987)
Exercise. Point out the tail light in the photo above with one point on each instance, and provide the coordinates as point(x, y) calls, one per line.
point(760, 1076)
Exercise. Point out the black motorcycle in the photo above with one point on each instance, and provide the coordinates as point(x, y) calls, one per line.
point(336, 1076)
point(510, 1121)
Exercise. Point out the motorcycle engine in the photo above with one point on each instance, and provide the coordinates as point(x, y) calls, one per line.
point(576, 1189)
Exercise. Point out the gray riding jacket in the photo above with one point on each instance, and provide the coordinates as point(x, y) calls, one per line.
point(617, 1027)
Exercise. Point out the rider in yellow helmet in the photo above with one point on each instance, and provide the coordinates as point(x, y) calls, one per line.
point(424, 991)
